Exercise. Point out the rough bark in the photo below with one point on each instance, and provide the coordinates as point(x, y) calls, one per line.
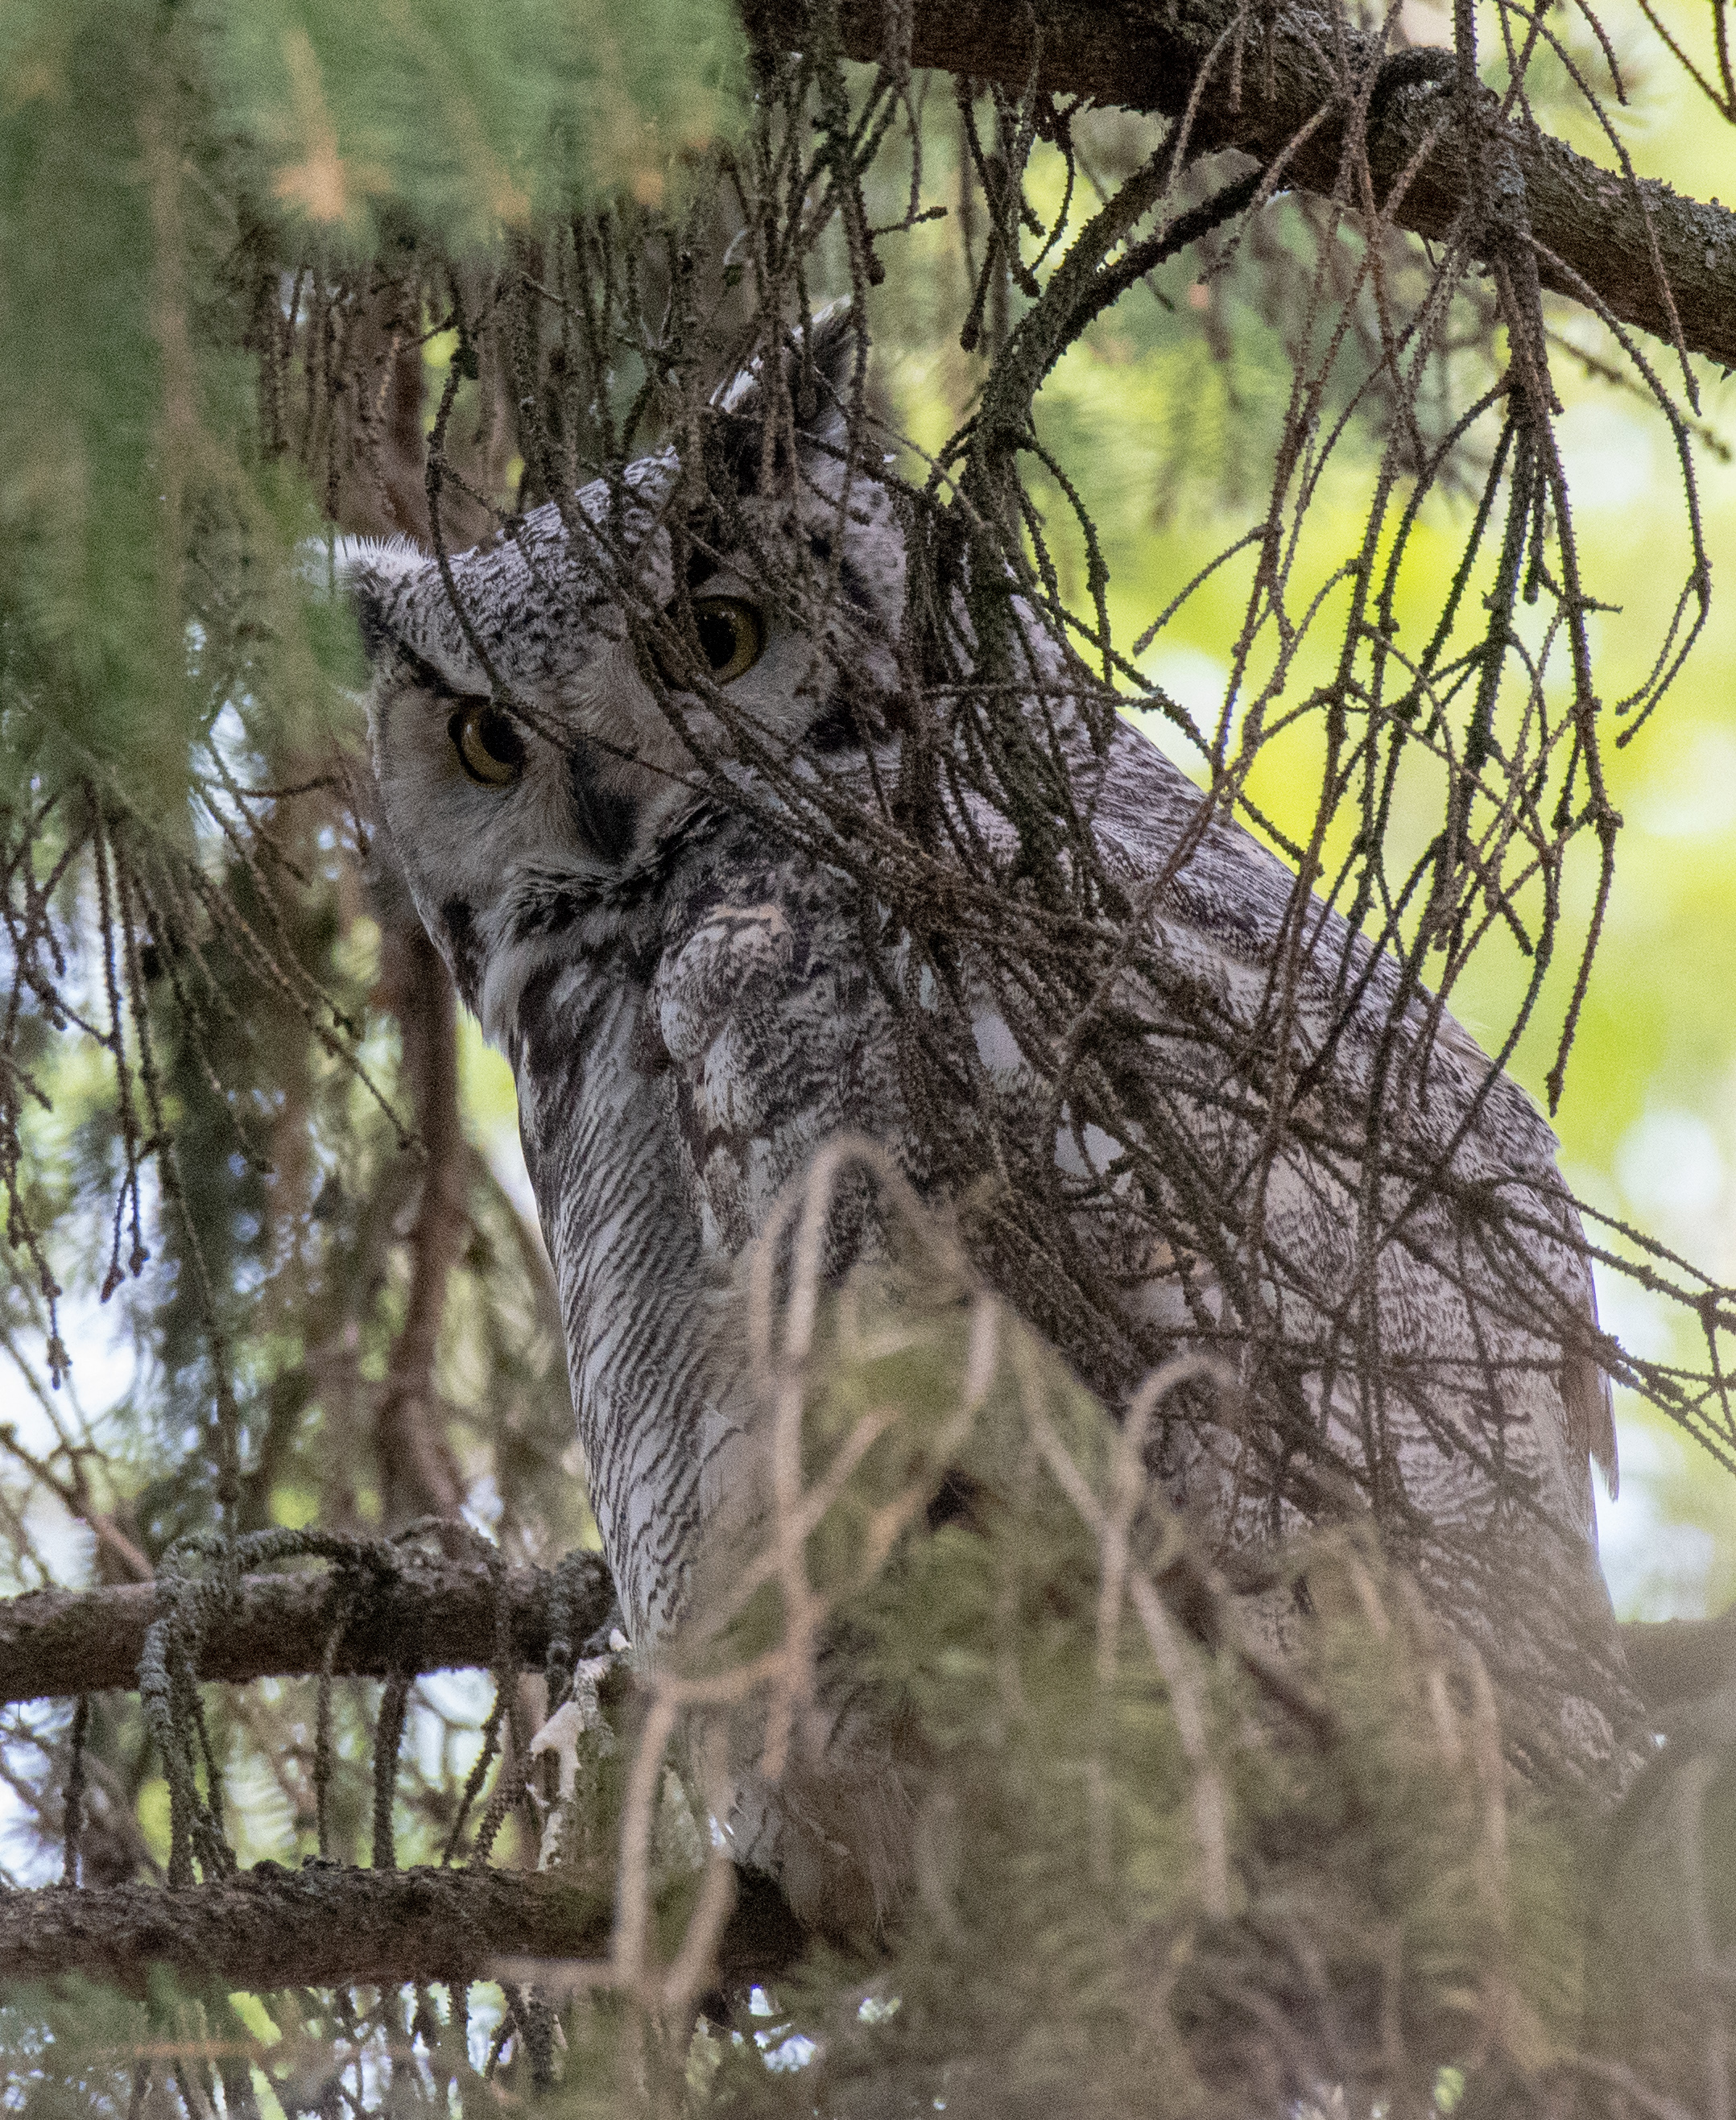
point(1289, 63)
point(436, 1615)
point(313, 1927)
point(325, 1926)
point(1675, 1661)
point(419, 1475)
point(376, 486)
point(439, 1614)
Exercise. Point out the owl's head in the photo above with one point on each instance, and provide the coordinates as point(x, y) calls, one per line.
point(548, 711)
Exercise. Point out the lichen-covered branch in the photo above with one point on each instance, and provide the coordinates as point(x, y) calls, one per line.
point(321, 1927)
point(430, 1614)
point(1291, 70)
point(325, 1926)
point(439, 1614)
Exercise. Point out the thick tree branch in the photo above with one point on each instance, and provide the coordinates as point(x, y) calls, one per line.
point(418, 1474)
point(1676, 1661)
point(439, 1614)
point(315, 1927)
point(434, 1614)
point(378, 489)
point(1272, 77)
point(325, 1926)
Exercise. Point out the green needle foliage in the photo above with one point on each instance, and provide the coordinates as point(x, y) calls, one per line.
point(275, 275)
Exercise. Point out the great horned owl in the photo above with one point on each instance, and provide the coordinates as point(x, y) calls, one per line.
point(694, 998)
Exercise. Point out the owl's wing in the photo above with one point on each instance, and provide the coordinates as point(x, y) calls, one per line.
point(1420, 1313)
point(1492, 1301)
point(1433, 1334)
point(775, 1036)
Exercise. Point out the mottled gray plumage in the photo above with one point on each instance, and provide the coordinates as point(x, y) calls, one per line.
point(688, 1006)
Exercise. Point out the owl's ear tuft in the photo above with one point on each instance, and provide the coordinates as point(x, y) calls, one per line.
point(821, 370)
point(372, 572)
point(818, 370)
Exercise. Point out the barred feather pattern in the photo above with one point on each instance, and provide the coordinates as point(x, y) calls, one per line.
point(693, 1004)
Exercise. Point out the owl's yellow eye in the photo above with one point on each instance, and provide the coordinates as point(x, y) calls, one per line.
point(490, 749)
point(731, 637)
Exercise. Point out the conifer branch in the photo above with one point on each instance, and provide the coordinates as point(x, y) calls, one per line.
point(419, 1475)
point(320, 1927)
point(1676, 1661)
point(439, 1614)
point(1275, 73)
point(328, 1926)
point(430, 1615)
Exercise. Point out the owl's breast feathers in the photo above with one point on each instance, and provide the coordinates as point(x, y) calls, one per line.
point(776, 1039)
